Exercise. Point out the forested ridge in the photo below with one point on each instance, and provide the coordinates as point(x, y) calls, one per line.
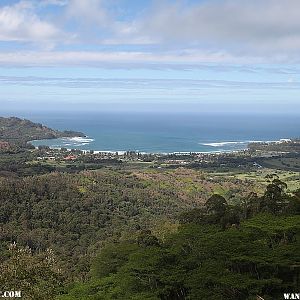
point(218, 252)
point(115, 235)
point(75, 213)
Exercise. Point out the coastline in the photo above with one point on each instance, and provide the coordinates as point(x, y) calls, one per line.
point(84, 141)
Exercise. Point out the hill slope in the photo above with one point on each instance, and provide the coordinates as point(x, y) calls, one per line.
point(18, 131)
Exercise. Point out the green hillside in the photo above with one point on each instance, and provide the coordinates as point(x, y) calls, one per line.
point(19, 131)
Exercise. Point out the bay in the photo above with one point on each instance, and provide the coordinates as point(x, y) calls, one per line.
point(166, 133)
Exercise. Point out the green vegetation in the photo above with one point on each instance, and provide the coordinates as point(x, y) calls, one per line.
point(20, 131)
point(74, 214)
point(218, 252)
point(262, 177)
point(103, 226)
point(289, 163)
point(282, 146)
point(36, 275)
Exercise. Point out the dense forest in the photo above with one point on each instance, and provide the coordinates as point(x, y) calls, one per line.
point(112, 236)
point(122, 232)
point(218, 252)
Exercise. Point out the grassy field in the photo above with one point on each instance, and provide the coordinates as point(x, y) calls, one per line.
point(260, 177)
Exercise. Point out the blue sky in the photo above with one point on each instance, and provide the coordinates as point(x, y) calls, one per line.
point(185, 55)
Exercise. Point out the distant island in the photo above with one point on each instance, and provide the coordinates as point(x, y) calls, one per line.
point(18, 131)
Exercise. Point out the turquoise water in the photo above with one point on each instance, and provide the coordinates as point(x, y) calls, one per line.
point(162, 132)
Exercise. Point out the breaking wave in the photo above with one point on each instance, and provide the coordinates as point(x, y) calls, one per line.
point(80, 139)
point(239, 143)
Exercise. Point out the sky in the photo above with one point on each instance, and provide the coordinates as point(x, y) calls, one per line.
point(143, 55)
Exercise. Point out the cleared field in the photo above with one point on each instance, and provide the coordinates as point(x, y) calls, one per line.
point(262, 177)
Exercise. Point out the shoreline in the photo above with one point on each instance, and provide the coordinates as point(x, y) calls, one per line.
point(87, 140)
point(122, 152)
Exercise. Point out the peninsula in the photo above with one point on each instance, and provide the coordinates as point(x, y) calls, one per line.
point(18, 131)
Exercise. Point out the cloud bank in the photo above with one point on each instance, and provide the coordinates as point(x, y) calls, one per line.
point(50, 32)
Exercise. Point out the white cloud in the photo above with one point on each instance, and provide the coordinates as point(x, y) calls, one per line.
point(88, 12)
point(98, 22)
point(53, 2)
point(245, 26)
point(172, 60)
point(172, 32)
point(117, 59)
point(19, 23)
point(141, 83)
point(268, 29)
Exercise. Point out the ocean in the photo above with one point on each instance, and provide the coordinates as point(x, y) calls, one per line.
point(167, 132)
